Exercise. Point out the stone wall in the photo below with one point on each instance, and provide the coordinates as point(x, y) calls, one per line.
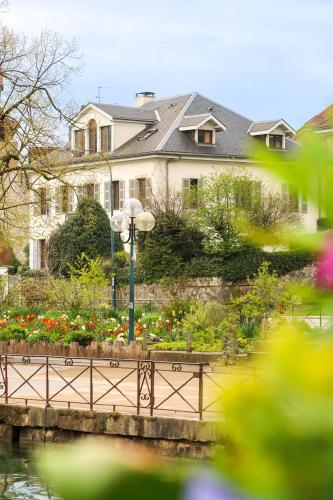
point(201, 289)
point(170, 436)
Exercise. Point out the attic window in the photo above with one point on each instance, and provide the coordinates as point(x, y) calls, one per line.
point(275, 141)
point(205, 137)
point(147, 134)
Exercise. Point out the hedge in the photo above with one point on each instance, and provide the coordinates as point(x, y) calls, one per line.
point(235, 268)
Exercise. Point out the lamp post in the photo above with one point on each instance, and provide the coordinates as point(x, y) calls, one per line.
point(113, 250)
point(128, 223)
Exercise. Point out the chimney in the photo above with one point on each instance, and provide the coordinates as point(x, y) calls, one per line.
point(142, 98)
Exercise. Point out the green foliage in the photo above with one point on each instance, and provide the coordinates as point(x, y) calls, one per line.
point(217, 208)
point(323, 224)
point(265, 295)
point(172, 243)
point(100, 472)
point(86, 231)
point(88, 271)
point(237, 267)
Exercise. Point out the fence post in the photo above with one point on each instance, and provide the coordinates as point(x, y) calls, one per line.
point(200, 390)
point(152, 387)
point(47, 381)
point(145, 339)
point(91, 385)
point(6, 380)
point(189, 338)
point(138, 388)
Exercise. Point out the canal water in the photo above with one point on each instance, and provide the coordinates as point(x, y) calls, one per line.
point(19, 477)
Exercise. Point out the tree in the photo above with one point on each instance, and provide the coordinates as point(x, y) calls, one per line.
point(87, 231)
point(234, 204)
point(34, 74)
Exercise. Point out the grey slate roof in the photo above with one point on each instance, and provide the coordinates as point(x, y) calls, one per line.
point(127, 112)
point(263, 125)
point(235, 141)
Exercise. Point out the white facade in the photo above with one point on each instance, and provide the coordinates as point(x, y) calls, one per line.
point(137, 176)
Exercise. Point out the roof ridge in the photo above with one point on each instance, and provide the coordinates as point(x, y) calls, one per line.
point(178, 119)
point(120, 106)
point(199, 114)
point(171, 97)
point(272, 120)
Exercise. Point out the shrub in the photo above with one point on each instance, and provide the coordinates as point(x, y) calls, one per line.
point(172, 242)
point(86, 231)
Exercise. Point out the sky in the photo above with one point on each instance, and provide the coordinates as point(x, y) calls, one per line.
point(264, 59)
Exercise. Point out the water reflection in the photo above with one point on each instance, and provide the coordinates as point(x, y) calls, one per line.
point(18, 477)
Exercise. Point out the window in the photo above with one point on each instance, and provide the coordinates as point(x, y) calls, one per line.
point(89, 190)
point(79, 142)
point(275, 141)
point(141, 189)
point(64, 200)
point(290, 196)
point(191, 192)
point(205, 137)
point(116, 191)
point(41, 201)
point(92, 134)
point(106, 139)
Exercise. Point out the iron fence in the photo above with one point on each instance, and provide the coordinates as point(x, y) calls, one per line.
point(141, 387)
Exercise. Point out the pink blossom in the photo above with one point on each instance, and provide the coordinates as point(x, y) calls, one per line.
point(324, 267)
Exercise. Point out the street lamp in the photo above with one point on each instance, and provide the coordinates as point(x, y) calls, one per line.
point(128, 223)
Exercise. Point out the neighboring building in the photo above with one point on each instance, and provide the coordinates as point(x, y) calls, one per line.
point(319, 124)
point(157, 147)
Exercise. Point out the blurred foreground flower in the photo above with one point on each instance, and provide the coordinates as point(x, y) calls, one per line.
point(281, 424)
point(324, 268)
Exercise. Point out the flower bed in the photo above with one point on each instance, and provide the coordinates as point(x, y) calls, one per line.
point(83, 328)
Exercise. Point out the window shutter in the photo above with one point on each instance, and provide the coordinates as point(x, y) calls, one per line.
point(48, 200)
point(57, 200)
point(109, 138)
point(70, 200)
point(137, 189)
point(121, 194)
point(80, 191)
point(148, 193)
point(186, 184)
point(107, 196)
point(35, 204)
point(132, 188)
point(34, 254)
point(96, 192)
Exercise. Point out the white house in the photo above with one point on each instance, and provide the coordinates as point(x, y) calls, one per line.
point(157, 146)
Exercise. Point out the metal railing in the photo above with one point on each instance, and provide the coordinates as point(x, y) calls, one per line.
point(141, 387)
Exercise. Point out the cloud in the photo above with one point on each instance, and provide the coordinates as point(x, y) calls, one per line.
point(252, 53)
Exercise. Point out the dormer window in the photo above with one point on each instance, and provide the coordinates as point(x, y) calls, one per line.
point(202, 128)
point(205, 136)
point(273, 132)
point(275, 141)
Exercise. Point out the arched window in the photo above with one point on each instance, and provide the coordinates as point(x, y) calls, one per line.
point(92, 132)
